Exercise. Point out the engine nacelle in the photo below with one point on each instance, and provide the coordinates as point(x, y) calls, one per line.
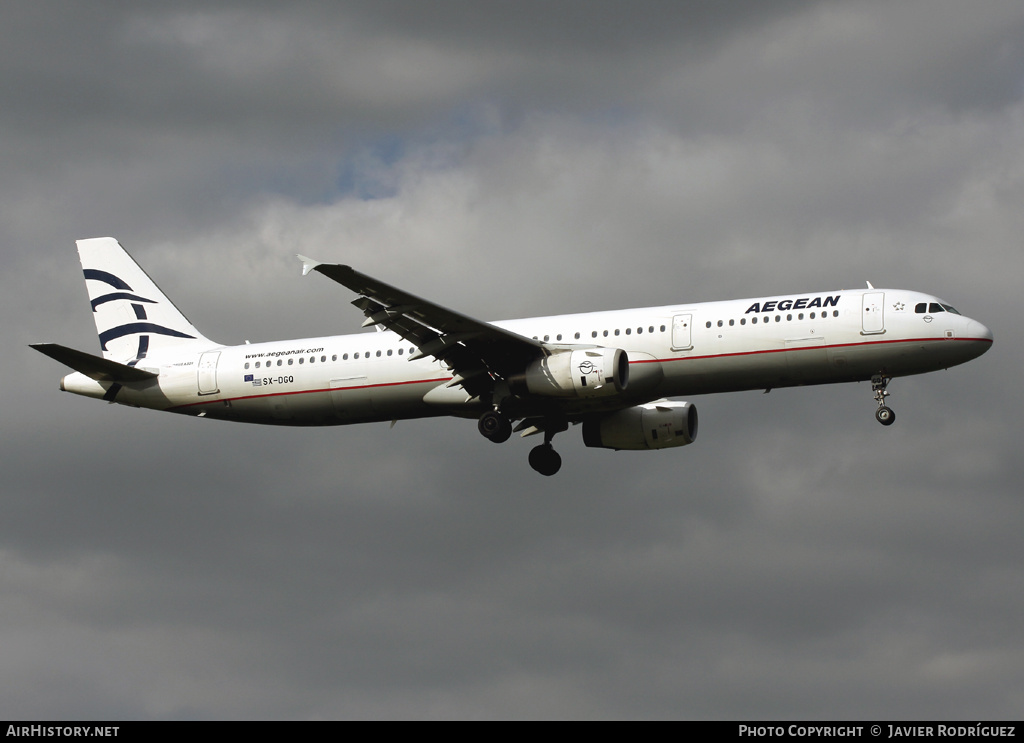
point(655, 425)
point(583, 372)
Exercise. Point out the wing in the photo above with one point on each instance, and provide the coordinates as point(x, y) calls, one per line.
point(476, 351)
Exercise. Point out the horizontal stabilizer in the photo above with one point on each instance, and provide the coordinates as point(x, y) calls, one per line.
point(94, 367)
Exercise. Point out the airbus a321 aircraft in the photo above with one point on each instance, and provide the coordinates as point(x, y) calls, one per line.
point(612, 372)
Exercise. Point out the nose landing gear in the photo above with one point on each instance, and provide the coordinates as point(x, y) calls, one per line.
point(884, 414)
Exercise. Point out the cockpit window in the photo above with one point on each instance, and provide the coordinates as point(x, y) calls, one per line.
point(922, 307)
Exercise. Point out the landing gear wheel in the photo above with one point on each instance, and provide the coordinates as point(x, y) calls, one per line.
point(494, 426)
point(885, 416)
point(545, 460)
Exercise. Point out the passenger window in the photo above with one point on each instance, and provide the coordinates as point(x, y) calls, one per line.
point(719, 323)
point(709, 323)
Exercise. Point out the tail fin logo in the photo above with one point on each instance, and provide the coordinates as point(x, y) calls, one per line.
point(138, 305)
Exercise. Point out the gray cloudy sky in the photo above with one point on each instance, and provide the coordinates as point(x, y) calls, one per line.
point(509, 159)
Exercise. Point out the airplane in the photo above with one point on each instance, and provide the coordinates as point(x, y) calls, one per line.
point(611, 372)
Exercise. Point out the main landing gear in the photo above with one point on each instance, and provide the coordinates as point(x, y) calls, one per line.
point(495, 426)
point(545, 460)
point(884, 414)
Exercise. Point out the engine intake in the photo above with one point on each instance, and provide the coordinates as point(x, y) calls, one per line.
point(584, 372)
point(655, 425)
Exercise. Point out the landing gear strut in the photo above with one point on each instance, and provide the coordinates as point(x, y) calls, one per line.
point(495, 426)
point(884, 414)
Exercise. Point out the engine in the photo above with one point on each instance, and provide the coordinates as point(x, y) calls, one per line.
point(582, 372)
point(655, 425)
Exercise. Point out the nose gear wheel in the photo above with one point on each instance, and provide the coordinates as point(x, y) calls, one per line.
point(884, 414)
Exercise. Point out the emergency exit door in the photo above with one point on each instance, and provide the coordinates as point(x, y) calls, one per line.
point(681, 332)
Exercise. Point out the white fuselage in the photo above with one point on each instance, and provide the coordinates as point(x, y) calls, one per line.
point(675, 350)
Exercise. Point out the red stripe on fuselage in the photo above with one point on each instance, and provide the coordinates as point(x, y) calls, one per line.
point(308, 392)
point(807, 348)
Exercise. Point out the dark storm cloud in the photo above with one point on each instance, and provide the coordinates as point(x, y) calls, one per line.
point(512, 159)
point(312, 71)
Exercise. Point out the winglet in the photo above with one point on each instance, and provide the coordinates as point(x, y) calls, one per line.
point(308, 264)
point(869, 285)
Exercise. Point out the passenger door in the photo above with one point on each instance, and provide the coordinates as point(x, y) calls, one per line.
point(872, 313)
point(208, 373)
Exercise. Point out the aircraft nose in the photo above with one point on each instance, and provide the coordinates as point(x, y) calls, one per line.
point(978, 331)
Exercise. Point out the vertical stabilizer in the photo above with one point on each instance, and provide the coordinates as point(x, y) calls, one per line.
point(133, 317)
